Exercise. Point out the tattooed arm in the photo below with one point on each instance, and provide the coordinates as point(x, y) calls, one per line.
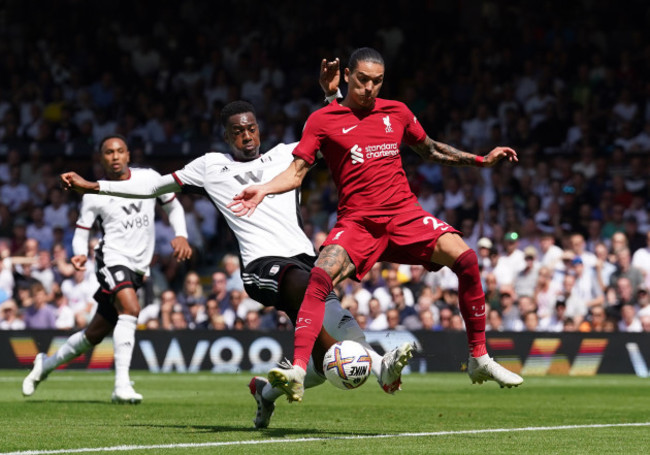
point(441, 153)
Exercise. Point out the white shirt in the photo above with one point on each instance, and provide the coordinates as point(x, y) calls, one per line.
point(551, 324)
point(79, 295)
point(546, 300)
point(552, 257)
point(382, 294)
point(477, 131)
point(378, 323)
point(45, 276)
point(635, 326)
point(273, 230)
point(509, 266)
point(16, 324)
point(454, 200)
point(584, 289)
point(127, 225)
point(7, 277)
point(64, 318)
point(535, 107)
point(641, 259)
point(362, 296)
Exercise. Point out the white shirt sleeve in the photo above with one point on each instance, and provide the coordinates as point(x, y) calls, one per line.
point(193, 173)
point(87, 216)
point(137, 188)
point(80, 242)
point(176, 215)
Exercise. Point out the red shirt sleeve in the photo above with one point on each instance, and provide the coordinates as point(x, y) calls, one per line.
point(413, 131)
point(310, 142)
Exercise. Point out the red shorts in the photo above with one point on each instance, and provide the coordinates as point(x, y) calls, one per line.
point(403, 238)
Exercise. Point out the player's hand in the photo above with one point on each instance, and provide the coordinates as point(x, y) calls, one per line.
point(182, 249)
point(73, 181)
point(79, 261)
point(330, 76)
point(499, 153)
point(245, 202)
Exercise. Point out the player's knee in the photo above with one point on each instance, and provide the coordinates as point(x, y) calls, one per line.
point(129, 308)
point(126, 302)
point(96, 334)
point(466, 263)
point(322, 278)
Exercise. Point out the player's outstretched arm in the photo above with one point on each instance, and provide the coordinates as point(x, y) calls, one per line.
point(146, 186)
point(73, 181)
point(442, 153)
point(245, 202)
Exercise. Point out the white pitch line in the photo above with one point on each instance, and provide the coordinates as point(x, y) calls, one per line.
point(335, 438)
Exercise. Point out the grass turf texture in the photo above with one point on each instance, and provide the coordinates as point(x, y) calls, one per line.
point(72, 410)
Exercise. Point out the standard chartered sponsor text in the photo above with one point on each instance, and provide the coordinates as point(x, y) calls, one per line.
point(379, 150)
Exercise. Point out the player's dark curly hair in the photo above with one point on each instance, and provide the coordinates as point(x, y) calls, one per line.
point(234, 108)
point(364, 54)
point(111, 136)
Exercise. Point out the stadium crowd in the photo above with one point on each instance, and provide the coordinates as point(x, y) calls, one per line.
point(562, 237)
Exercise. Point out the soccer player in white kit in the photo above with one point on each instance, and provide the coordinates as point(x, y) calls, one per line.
point(122, 261)
point(276, 254)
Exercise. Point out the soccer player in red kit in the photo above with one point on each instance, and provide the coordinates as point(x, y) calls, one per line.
point(379, 218)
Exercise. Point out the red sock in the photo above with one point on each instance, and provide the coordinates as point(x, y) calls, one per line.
point(472, 301)
point(310, 316)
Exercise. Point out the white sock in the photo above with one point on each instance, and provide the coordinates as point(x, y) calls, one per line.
point(74, 346)
point(123, 343)
point(312, 377)
point(271, 393)
point(376, 360)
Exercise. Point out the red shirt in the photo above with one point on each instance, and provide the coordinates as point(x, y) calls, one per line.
point(361, 148)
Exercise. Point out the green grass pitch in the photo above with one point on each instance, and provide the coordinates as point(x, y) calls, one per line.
point(434, 414)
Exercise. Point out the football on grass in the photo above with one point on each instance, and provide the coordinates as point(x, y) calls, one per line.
point(347, 364)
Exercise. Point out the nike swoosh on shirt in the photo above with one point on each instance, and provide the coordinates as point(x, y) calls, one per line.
point(347, 130)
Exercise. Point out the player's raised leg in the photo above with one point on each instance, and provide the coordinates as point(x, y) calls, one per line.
point(309, 322)
point(452, 251)
point(75, 345)
point(341, 325)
